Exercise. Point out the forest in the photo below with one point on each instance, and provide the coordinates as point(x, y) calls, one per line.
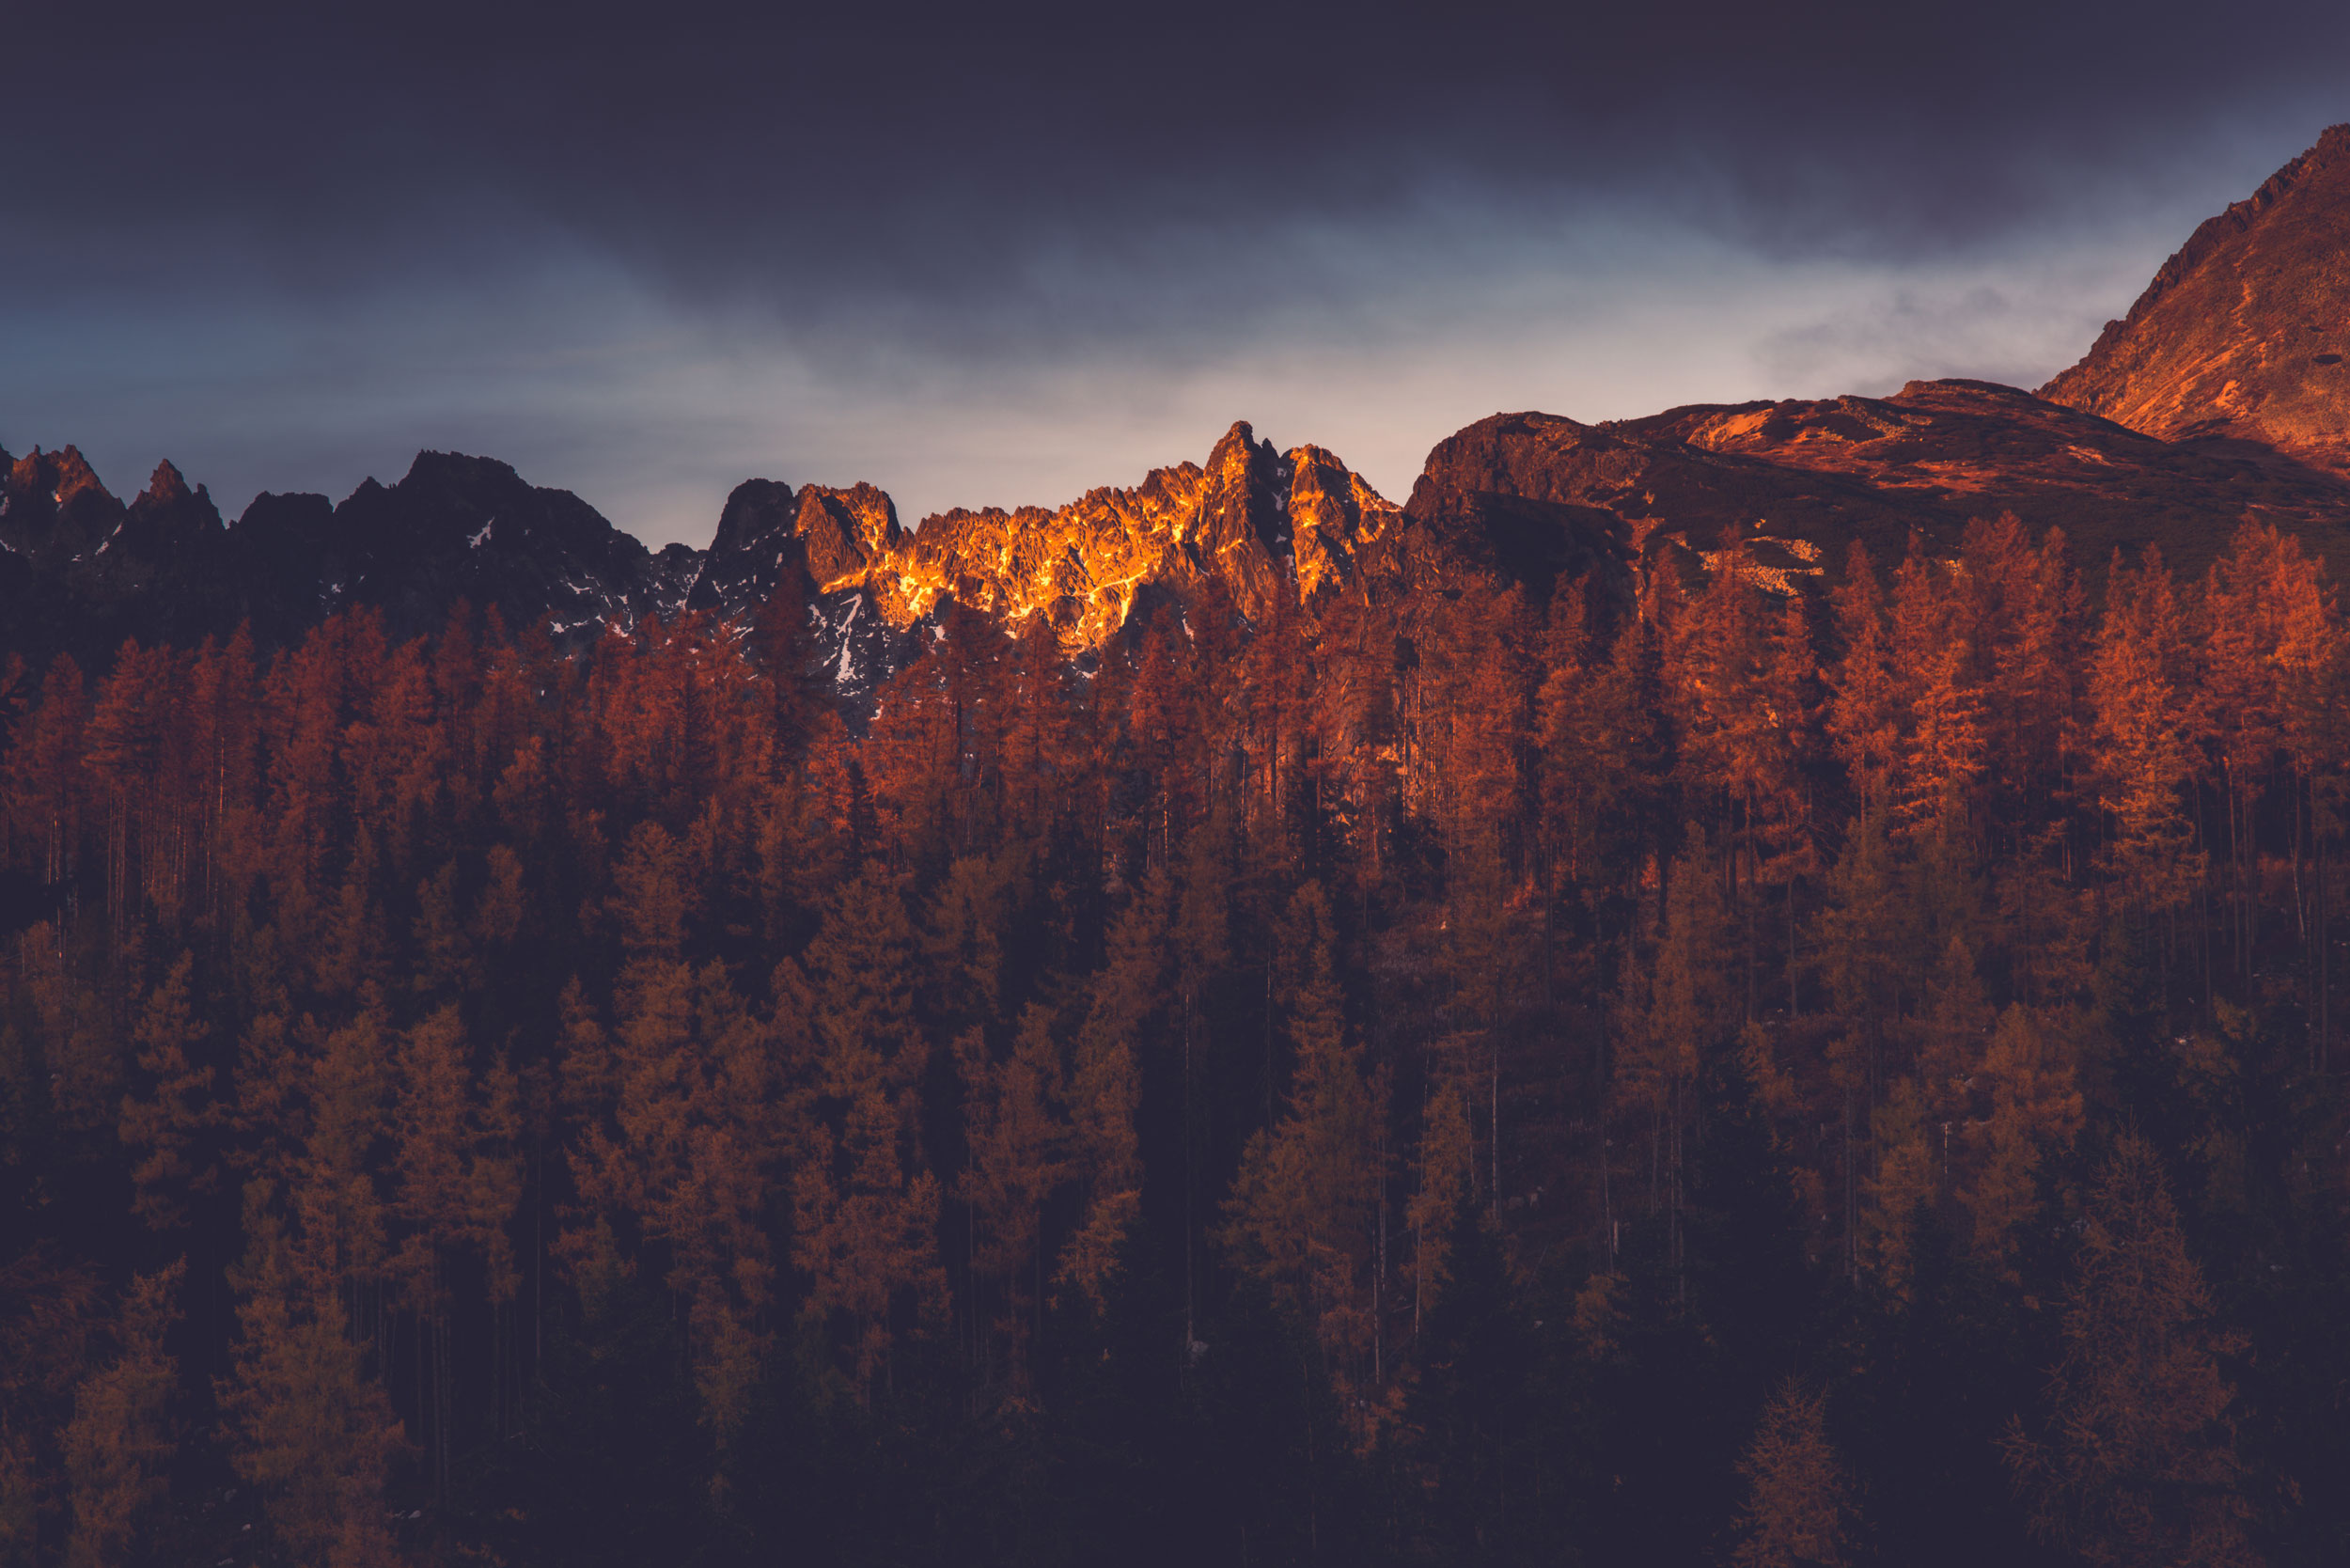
point(1498, 1073)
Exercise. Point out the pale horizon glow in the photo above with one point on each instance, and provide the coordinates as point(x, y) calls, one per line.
point(657, 414)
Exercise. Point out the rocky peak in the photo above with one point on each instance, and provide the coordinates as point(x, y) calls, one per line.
point(63, 477)
point(755, 547)
point(1332, 515)
point(2244, 334)
point(166, 488)
point(167, 515)
point(53, 508)
point(1242, 531)
point(458, 492)
point(756, 509)
point(847, 533)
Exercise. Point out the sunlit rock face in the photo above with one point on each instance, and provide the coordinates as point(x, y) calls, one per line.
point(2244, 332)
point(847, 534)
point(1335, 523)
point(1263, 526)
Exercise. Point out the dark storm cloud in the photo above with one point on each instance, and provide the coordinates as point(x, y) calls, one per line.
point(814, 155)
point(484, 225)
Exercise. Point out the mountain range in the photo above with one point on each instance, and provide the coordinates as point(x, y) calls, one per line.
point(2222, 396)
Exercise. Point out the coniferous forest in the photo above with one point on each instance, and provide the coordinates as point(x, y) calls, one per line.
point(1694, 1075)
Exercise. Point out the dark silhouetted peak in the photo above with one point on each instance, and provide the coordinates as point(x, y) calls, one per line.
point(1527, 496)
point(167, 517)
point(757, 544)
point(455, 475)
point(166, 488)
point(756, 509)
point(53, 510)
point(458, 526)
point(2244, 332)
point(278, 522)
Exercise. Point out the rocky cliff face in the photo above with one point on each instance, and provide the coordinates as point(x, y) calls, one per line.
point(2244, 332)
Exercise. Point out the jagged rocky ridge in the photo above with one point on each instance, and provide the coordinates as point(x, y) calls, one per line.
point(2214, 403)
point(80, 571)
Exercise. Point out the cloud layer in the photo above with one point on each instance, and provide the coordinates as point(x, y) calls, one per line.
point(644, 254)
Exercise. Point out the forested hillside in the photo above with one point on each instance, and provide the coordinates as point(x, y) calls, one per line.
point(1700, 1075)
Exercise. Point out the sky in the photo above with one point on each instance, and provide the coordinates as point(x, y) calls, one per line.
point(999, 255)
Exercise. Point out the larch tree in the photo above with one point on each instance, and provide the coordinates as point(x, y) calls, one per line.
point(1104, 1089)
point(865, 1204)
point(1800, 1508)
point(2137, 1460)
point(308, 1424)
point(1448, 1174)
point(2144, 691)
point(166, 1127)
point(119, 1446)
point(1869, 712)
point(439, 1193)
point(1304, 1208)
point(1012, 1117)
point(1940, 755)
point(2035, 1113)
point(1678, 1012)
